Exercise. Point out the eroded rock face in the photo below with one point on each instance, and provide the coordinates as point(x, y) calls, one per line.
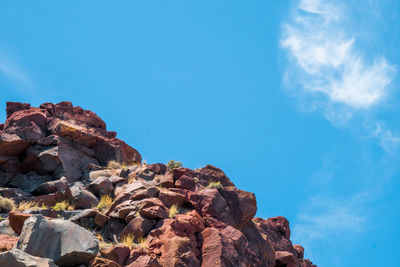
point(18, 258)
point(174, 217)
point(57, 139)
point(62, 241)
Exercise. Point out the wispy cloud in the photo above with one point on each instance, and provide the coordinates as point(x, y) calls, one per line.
point(324, 217)
point(14, 74)
point(327, 63)
point(389, 142)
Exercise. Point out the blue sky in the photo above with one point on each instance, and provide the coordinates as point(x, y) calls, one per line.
point(296, 101)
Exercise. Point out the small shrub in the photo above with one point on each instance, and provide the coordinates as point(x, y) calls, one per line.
point(104, 203)
point(6, 204)
point(173, 210)
point(215, 185)
point(172, 164)
point(112, 164)
point(196, 180)
point(63, 205)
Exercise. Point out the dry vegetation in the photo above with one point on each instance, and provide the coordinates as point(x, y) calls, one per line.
point(128, 241)
point(6, 204)
point(63, 205)
point(30, 205)
point(173, 210)
point(172, 164)
point(112, 164)
point(104, 203)
point(215, 185)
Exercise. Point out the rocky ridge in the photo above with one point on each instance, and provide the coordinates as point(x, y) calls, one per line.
point(72, 194)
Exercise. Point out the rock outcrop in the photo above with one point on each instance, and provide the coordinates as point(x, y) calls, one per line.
point(55, 162)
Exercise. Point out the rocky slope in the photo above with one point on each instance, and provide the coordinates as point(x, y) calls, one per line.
point(62, 206)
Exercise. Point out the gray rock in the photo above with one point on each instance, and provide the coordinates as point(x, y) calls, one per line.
point(93, 175)
point(102, 186)
point(5, 228)
point(82, 198)
point(30, 181)
point(18, 258)
point(62, 241)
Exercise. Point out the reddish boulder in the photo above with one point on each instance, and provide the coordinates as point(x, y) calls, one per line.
point(300, 251)
point(117, 253)
point(276, 231)
point(243, 205)
point(12, 107)
point(285, 259)
point(145, 261)
point(100, 219)
point(138, 227)
point(7, 242)
point(178, 251)
point(186, 182)
point(230, 247)
point(17, 220)
point(172, 197)
point(101, 262)
point(12, 144)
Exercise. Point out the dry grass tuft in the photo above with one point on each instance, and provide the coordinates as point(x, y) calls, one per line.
point(173, 210)
point(6, 204)
point(104, 203)
point(63, 205)
point(112, 164)
point(30, 205)
point(128, 241)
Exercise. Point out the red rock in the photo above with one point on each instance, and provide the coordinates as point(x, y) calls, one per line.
point(145, 261)
point(214, 174)
point(138, 227)
point(169, 197)
point(190, 223)
point(117, 253)
point(154, 212)
point(276, 231)
point(17, 220)
point(12, 144)
point(7, 242)
point(281, 224)
point(100, 220)
point(157, 168)
point(244, 204)
point(166, 181)
point(178, 251)
point(134, 254)
point(101, 262)
point(12, 107)
point(300, 251)
point(186, 182)
point(230, 247)
point(306, 263)
point(50, 199)
point(285, 259)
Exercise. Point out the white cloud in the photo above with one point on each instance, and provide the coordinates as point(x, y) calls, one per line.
point(387, 140)
point(325, 60)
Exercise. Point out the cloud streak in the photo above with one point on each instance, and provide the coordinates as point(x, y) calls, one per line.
point(325, 60)
point(14, 74)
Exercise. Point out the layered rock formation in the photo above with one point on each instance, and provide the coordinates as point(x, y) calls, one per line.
point(157, 215)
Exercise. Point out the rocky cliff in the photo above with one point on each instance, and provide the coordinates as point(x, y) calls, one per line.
point(72, 194)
